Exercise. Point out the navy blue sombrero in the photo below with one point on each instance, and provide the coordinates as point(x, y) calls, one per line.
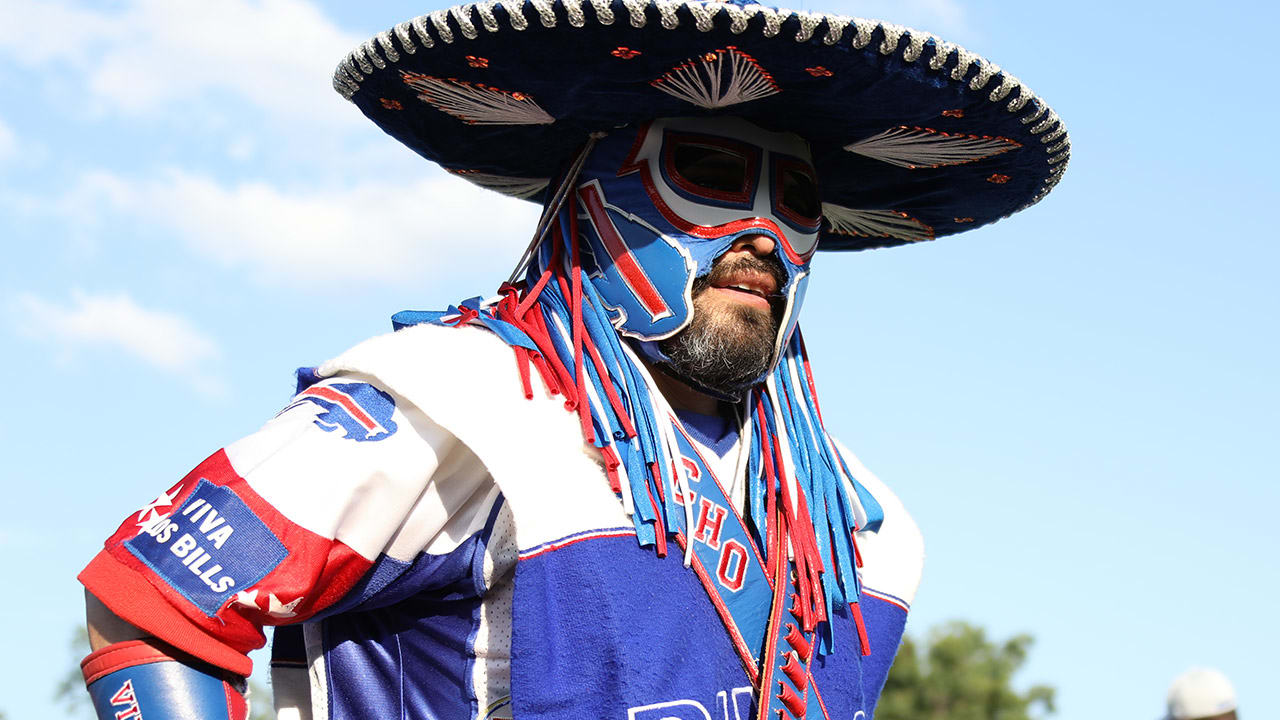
point(913, 137)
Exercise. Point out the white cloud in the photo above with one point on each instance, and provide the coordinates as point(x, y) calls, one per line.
point(155, 54)
point(163, 340)
point(144, 54)
point(370, 232)
point(39, 32)
point(140, 55)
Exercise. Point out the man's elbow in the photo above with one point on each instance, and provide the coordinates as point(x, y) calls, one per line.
point(105, 627)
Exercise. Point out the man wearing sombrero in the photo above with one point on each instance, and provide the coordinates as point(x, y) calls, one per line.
point(607, 491)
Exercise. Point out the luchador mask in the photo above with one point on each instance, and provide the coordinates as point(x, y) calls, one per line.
point(658, 206)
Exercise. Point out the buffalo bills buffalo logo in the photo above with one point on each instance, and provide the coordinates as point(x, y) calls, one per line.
point(359, 409)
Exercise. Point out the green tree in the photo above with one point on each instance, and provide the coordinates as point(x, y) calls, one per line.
point(70, 694)
point(958, 674)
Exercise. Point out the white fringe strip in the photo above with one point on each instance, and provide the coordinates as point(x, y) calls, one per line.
point(477, 104)
point(875, 223)
point(517, 187)
point(663, 412)
point(916, 147)
point(710, 82)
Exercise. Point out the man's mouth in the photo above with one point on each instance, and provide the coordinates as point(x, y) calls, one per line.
point(759, 285)
point(755, 290)
point(750, 281)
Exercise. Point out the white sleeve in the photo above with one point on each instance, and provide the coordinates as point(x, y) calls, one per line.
point(283, 524)
point(352, 461)
point(893, 557)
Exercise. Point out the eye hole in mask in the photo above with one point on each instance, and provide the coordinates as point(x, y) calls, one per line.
point(799, 195)
point(712, 168)
point(796, 200)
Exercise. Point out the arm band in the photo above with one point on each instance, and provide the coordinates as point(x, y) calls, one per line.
point(138, 680)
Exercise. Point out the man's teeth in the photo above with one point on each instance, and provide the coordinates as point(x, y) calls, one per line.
point(744, 288)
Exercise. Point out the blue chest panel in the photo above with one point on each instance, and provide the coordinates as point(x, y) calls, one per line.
point(604, 627)
point(885, 623)
point(411, 660)
point(400, 644)
point(601, 629)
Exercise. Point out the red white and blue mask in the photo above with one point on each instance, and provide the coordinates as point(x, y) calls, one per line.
point(660, 204)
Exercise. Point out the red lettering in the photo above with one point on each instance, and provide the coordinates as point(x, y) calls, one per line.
point(675, 493)
point(125, 696)
point(732, 571)
point(692, 466)
point(710, 520)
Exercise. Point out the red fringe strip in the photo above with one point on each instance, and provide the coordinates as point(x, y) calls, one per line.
point(863, 640)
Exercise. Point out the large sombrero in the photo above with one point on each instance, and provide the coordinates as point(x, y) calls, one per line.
point(913, 137)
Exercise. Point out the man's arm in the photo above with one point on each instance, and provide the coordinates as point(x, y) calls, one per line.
point(271, 530)
point(129, 670)
point(105, 627)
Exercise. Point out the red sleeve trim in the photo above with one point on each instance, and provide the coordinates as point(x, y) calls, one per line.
point(119, 656)
point(237, 703)
point(130, 653)
point(139, 603)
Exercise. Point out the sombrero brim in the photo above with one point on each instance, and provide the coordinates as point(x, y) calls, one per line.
point(913, 137)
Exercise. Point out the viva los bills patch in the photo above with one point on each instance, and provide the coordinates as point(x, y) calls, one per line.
point(209, 548)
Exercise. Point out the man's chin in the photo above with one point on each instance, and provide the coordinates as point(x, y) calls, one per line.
point(727, 312)
point(727, 348)
point(740, 324)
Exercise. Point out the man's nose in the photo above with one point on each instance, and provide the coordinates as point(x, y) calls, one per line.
point(758, 245)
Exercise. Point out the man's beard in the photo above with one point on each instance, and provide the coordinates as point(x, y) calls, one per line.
point(726, 349)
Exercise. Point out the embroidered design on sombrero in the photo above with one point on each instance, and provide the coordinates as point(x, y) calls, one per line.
point(517, 187)
point(875, 223)
point(476, 104)
point(972, 87)
point(917, 147)
point(710, 82)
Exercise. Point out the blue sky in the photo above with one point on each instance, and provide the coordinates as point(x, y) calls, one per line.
point(1078, 404)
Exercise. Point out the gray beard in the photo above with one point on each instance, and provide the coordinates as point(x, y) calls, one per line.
point(724, 351)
